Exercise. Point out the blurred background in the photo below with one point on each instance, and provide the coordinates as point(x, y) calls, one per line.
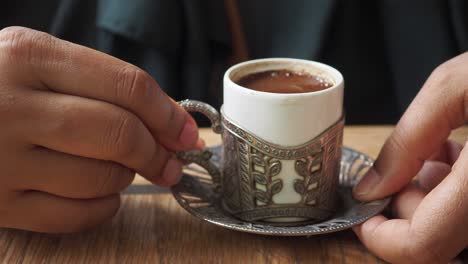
point(385, 49)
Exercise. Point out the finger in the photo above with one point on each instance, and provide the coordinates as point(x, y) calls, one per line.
point(437, 109)
point(200, 144)
point(432, 173)
point(98, 130)
point(436, 233)
point(171, 173)
point(405, 202)
point(439, 165)
point(385, 238)
point(68, 68)
point(448, 153)
point(440, 220)
point(70, 176)
point(41, 212)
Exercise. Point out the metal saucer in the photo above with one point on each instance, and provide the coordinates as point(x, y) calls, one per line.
point(195, 194)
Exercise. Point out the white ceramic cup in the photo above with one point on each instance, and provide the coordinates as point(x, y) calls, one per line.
point(281, 150)
point(283, 119)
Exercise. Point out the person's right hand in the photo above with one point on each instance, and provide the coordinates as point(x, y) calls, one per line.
point(76, 126)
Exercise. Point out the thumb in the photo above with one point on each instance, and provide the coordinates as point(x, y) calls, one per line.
point(437, 109)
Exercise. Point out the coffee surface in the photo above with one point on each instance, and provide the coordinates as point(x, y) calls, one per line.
point(284, 81)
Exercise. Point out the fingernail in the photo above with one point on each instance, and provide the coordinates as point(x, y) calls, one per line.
point(172, 172)
point(189, 134)
point(367, 183)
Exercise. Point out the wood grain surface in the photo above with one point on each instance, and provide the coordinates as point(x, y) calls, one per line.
point(151, 228)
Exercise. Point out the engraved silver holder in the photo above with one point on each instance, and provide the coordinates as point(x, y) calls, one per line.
point(248, 178)
point(195, 193)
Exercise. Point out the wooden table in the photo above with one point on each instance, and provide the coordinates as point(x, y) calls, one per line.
point(152, 228)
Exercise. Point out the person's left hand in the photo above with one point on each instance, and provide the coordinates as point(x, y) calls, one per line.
point(431, 215)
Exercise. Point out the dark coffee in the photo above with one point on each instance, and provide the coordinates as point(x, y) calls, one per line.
point(284, 81)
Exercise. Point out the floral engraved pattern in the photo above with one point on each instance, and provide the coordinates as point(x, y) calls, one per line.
point(243, 155)
point(310, 169)
point(256, 168)
point(264, 169)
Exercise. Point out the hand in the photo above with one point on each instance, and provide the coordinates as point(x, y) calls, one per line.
point(431, 224)
point(76, 126)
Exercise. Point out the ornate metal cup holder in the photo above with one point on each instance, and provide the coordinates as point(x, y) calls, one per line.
point(195, 194)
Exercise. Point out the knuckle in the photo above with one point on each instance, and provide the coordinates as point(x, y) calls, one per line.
point(122, 134)
point(445, 76)
point(155, 169)
point(396, 141)
point(134, 88)
point(66, 123)
point(442, 76)
point(114, 180)
point(86, 218)
point(131, 85)
point(448, 82)
point(24, 44)
point(445, 69)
